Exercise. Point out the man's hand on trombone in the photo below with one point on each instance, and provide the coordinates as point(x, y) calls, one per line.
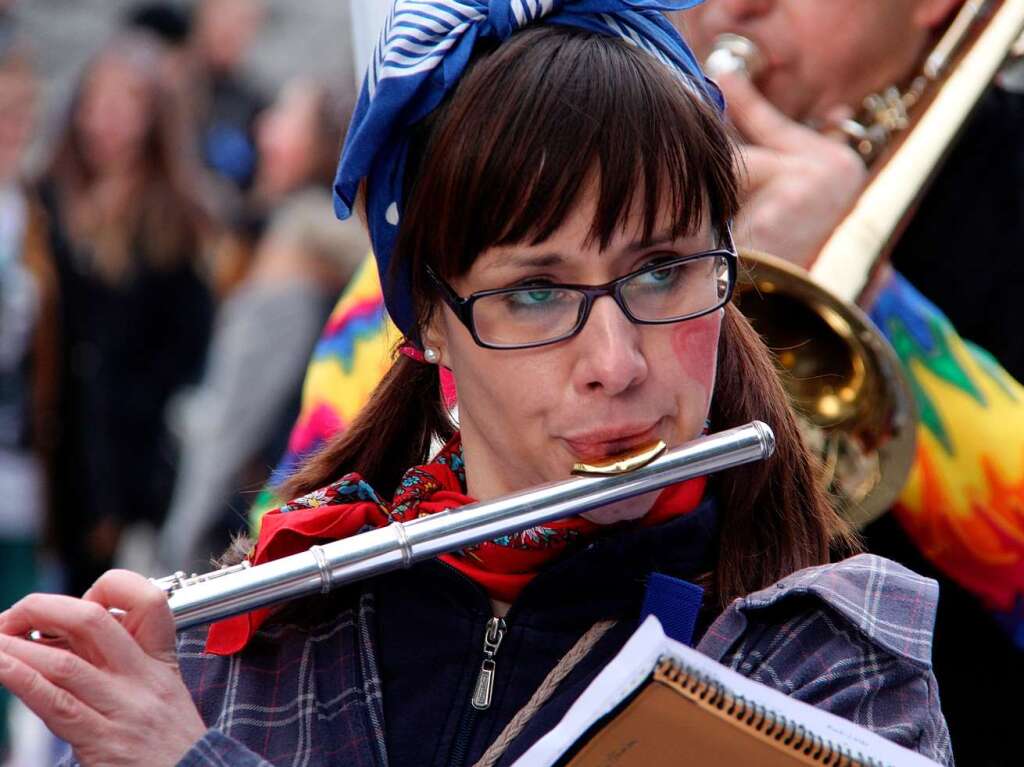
point(798, 183)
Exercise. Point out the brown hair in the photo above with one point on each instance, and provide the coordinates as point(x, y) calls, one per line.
point(334, 109)
point(503, 161)
point(165, 220)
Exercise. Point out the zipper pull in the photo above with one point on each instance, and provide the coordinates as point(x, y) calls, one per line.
point(484, 688)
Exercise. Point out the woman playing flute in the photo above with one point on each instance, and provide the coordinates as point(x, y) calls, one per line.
point(548, 187)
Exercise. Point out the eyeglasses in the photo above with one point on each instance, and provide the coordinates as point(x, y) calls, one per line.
point(671, 290)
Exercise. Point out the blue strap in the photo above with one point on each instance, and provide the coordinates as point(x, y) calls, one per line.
point(675, 603)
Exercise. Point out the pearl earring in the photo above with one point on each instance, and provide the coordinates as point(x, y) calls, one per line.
point(431, 355)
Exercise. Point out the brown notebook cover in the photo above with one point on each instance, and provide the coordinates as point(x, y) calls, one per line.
point(677, 719)
point(661, 703)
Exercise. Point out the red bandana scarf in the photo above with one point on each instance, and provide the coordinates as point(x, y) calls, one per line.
point(502, 566)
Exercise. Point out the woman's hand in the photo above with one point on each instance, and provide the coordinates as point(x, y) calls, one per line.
point(114, 692)
point(797, 183)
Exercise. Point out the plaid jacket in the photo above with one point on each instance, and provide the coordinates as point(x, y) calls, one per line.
point(853, 638)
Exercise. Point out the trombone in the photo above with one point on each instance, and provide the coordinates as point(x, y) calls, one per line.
point(843, 377)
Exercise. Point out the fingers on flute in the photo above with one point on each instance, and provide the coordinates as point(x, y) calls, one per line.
point(65, 715)
point(147, 615)
point(87, 627)
point(64, 669)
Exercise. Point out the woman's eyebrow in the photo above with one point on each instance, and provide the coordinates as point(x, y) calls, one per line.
point(518, 259)
point(654, 242)
point(526, 260)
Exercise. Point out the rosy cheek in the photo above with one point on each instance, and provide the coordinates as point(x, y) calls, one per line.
point(695, 344)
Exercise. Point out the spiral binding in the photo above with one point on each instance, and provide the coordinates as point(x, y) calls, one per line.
point(710, 692)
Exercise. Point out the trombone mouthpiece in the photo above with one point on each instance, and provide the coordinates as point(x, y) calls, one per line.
point(734, 53)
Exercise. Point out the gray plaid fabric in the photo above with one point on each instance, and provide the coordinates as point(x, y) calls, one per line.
point(853, 638)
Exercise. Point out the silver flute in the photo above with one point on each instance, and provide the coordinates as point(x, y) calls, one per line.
point(201, 599)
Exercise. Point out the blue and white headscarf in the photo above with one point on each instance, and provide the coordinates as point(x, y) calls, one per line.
point(422, 51)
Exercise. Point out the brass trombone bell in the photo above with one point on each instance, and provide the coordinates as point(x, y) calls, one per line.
point(843, 379)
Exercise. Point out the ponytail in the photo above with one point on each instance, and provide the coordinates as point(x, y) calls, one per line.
point(392, 432)
point(776, 519)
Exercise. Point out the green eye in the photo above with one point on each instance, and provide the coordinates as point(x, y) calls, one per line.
point(659, 278)
point(538, 298)
point(534, 296)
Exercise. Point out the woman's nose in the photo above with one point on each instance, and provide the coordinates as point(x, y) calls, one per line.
point(610, 358)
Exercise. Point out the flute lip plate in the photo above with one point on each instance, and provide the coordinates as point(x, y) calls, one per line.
point(621, 463)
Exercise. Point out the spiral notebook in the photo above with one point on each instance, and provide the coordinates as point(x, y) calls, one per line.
point(661, 703)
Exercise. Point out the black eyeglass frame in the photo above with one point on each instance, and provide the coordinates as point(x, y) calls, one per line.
point(462, 308)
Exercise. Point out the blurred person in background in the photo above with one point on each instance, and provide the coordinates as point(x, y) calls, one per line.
point(127, 230)
point(185, 78)
point(28, 344)
point(225, 102)
point(169, 22)
point(235, 425)
point(205, 45)
point(950, 309)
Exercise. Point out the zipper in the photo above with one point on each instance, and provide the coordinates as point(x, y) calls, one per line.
point(483, 690)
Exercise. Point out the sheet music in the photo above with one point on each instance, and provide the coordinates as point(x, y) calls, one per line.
point(636, 661)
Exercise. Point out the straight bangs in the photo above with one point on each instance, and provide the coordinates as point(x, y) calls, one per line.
point(542, 118)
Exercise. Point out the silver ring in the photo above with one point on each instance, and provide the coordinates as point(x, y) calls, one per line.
point(323, 567)
point(403, 543)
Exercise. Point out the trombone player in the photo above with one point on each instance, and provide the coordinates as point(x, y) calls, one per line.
point(956, 265)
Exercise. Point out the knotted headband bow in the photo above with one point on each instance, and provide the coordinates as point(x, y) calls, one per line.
point(423, 49)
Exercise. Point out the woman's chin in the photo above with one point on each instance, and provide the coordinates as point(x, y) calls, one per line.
point(623, 511)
